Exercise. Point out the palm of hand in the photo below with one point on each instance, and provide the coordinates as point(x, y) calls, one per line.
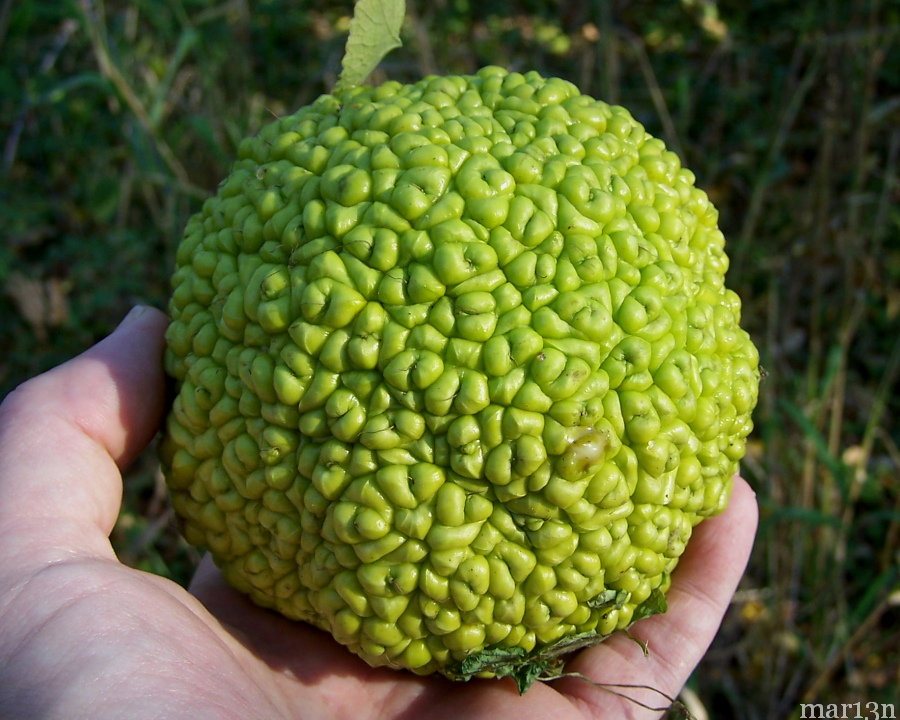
point(84, 636)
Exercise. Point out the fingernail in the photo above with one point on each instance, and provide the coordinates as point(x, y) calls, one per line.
point(136, 312)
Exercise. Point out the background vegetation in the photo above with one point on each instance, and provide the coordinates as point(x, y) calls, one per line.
point(119, 117)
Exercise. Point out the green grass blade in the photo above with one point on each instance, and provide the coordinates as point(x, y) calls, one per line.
point(186, 43)
point(835, 466)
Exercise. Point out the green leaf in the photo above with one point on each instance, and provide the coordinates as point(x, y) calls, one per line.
point(526, 675)
point(609, 599)
point(492, 659)
point(503, 662)
point(525, 668)
point(655, 604)
point(374, 32)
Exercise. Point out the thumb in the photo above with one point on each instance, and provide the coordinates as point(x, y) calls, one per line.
point(64, 435)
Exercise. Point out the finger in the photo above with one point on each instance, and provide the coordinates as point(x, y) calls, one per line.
point(64, 435)
point(702, 587)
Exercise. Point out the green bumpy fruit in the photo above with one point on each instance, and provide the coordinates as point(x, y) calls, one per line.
point(457, 371)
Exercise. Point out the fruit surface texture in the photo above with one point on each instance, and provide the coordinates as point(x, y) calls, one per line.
point(457, 370)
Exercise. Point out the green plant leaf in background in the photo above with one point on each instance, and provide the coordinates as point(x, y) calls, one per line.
point(374, 32)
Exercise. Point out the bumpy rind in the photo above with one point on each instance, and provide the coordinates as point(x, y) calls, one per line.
point(456, 364)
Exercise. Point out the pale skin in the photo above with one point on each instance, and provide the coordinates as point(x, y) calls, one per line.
point(83, 636)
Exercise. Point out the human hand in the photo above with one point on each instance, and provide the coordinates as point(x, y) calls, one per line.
point(83, 636)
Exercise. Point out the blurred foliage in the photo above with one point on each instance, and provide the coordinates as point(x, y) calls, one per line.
point(118, 118)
